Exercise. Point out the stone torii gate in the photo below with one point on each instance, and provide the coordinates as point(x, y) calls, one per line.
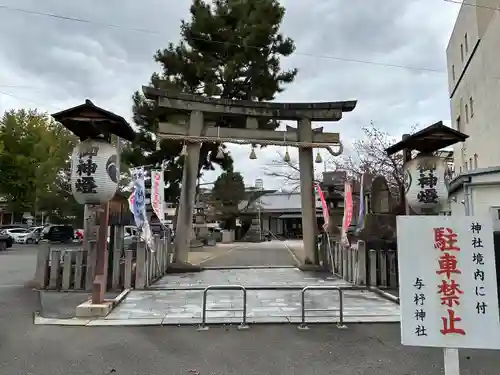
point(192, 119)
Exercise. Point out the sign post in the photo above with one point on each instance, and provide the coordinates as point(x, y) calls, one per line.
point(448, 284)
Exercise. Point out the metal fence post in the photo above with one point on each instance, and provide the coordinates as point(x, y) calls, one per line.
point(203, 325)
point(340, 324)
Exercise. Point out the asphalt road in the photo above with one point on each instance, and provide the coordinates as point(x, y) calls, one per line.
point(273, 253)
point(374, 349)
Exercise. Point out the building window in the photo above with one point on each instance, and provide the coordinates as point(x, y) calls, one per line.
point(462, 52)
point(465, 166)
point(470, 164)
point(459, 125)
point(466, 44)
point(466, 114)
point(475, 161)
point(471, 105)
point(453, 72)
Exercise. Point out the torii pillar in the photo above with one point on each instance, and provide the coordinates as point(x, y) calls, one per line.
point(194, 116)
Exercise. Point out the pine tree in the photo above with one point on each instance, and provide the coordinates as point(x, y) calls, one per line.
point(229, 49)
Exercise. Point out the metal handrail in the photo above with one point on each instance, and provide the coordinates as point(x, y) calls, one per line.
point(243, 325)
point(303, 325)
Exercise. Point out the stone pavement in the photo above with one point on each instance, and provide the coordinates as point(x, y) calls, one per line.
point(201, 255)
point(248, 254)
point(296, 247)
point(177, 300)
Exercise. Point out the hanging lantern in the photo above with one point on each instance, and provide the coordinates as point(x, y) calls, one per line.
point(184, 150)
point(426, 184)
point(319, 159)
point(286, 158)
point(220, 153)
point(94, 172)
point(253, 155)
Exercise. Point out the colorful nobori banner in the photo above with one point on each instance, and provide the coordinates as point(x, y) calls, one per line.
point(324, 207)
point(158, 194)
point(448, 284)
point(348, 208)
point(137, 205)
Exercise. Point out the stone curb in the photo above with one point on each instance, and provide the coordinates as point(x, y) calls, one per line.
point(139, 322)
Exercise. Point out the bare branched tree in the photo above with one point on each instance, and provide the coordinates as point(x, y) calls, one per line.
point(286, 171)
point(368, 156)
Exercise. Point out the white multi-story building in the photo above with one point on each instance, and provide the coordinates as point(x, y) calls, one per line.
point(473, 57)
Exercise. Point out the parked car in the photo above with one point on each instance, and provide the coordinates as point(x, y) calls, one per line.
point(19, 235)
point(6, 241)
point(58, 233)
point(35, 235)
point(29, 236)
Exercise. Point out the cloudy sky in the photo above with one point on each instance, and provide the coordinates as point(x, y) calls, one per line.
point(346, 49)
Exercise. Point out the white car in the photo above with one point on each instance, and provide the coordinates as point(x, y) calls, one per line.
point(20, 235)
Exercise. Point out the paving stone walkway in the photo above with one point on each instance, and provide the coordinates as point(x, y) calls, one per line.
point(248, 277)
point(173, 302)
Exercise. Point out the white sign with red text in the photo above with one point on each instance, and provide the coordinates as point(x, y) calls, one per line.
point(448, 283)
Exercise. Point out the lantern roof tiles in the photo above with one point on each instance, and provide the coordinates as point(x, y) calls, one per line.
point(90, 121)
point(430, 139)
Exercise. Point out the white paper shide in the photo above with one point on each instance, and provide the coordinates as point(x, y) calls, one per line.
point(448, 286)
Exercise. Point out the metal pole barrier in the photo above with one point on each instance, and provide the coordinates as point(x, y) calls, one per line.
point(203, 325)
point(244, 324)
point(303, 325)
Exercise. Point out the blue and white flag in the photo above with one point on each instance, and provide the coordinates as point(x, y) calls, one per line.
point(137, 204)
point(138, 198)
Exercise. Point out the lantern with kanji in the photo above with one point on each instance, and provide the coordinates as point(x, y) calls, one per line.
point(426, 184)
point(94, 172)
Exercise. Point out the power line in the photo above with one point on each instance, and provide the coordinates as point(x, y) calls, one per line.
point(152, 32)
point(471, 5)
point(26, 100)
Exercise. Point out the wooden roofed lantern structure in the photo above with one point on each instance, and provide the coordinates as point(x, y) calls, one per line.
point(88, 121)
point(426, 141)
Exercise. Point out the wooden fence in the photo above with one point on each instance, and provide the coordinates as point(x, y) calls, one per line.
point(361, 266)
point(72, 267)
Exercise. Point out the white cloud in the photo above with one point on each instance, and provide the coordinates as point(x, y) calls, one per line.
point(60, 63)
